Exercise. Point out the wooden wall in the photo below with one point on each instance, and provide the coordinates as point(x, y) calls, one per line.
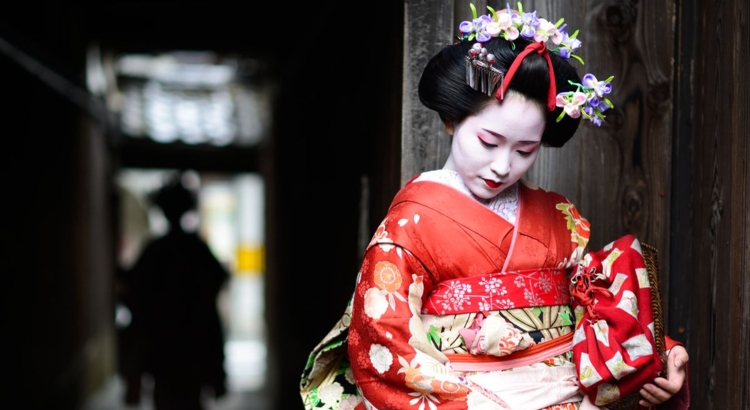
point(719, 294)
point(58, 238)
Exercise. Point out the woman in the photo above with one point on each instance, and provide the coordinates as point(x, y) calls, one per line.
point(176, 334)
point(462, 300)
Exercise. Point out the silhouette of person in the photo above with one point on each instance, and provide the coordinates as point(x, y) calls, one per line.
point(176, 334)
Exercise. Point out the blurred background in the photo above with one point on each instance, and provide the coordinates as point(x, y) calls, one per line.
point(262, 111)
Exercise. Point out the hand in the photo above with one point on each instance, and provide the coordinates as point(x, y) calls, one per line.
point(663, 389)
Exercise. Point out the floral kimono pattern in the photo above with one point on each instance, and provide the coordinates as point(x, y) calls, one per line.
point(439, 244)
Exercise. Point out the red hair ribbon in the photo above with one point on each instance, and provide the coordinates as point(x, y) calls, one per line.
point(539, 48)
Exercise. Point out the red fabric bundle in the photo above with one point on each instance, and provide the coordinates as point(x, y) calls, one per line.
point(614, 343)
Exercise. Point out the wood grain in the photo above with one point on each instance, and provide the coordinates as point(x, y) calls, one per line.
point(720, 295)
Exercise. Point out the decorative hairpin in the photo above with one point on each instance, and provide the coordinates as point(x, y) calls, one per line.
point(510, 25)
point(588, 100)
point(480, 74)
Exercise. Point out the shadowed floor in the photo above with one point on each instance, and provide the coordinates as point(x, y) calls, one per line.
point(111, 398)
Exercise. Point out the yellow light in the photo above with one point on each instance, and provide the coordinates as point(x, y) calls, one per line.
point(250, 260)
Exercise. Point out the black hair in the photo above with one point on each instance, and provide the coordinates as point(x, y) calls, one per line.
point(443, 87)
point(174, 199)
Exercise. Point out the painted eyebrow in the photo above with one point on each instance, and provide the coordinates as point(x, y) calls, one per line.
point(498, 135)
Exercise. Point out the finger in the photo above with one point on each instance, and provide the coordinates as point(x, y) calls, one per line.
point(655, 394)
point(676, 373)
point(678, 357)
point(647, 399)
point(681, 359)
point(671, 385)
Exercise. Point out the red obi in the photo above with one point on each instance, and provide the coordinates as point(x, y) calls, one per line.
point(499, 291)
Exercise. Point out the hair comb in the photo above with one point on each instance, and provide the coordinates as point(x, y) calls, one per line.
point(480, 74)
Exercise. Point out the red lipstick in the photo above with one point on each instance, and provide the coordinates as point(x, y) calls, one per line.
point(492, 184)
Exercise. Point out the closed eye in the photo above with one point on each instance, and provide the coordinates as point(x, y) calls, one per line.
point(524, 153)
point(487, 144)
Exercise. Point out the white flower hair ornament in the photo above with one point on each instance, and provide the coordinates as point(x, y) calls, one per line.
point(588, 101)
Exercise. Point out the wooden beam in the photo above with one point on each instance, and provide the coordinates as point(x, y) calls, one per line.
point(146, 153)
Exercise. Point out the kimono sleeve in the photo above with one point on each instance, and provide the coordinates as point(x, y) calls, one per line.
point(580, 232)
point(393, 363)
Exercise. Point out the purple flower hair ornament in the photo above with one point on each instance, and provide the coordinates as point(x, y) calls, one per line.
point(569, 44)
point(476, 28)
point(510, 25)
point(588, 101)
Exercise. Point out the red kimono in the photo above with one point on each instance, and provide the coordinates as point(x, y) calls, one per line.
point(435, 267)
point(455, 307)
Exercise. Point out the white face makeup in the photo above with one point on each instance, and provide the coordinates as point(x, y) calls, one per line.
point(494, 149)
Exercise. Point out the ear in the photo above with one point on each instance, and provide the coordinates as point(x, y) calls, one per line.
point(449, 128)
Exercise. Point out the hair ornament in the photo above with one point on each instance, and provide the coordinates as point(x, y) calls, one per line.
point(588, 101)
point(480, 74)
point(510, 25)
point(541, 49)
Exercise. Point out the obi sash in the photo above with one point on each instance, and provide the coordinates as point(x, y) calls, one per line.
point(499, 291)
point(465, 362)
